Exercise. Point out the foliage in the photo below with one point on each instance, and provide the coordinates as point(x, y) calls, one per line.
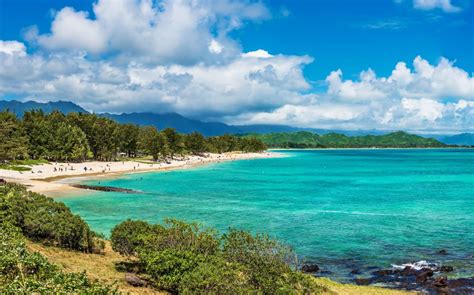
point(13, 139)
point(304, 139)
point(43, 219)
point(126, 237)
point(81, 136)
point(22, 272)
point(181, 257)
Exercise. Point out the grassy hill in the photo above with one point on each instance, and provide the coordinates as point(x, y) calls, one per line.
point(305, 139)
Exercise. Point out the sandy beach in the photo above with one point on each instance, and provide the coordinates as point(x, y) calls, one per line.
point(55, 179)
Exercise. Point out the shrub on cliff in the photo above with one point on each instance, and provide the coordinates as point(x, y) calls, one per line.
point(182, 258)
point(42, 219)
point(22, 272)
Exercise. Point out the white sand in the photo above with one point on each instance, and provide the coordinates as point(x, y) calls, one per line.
point(45, 179)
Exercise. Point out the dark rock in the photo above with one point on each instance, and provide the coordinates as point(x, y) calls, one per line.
point(445, 268)
point(362, 281)
point(423, 276)
point(440, 282)
point(105, 188)
point(355, 272)
point(3, 181)
point(442, 252)
point(134, 280)
point(408, 271)
point(383, 272)
point(310, 268)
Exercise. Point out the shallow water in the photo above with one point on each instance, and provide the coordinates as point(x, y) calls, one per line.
point(343, 209)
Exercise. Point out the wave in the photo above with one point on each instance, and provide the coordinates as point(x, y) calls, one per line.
point(418, 265)
point(361, 213)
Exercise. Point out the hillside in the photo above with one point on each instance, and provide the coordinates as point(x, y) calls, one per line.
point(466, 139)
point(18, 107)
point(334, 140)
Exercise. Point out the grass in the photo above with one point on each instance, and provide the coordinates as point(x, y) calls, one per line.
point(97, 266)
point(102, 268)
point(22, 165)
point(349, 289)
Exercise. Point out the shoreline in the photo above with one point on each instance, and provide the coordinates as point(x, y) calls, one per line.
point(49, 180)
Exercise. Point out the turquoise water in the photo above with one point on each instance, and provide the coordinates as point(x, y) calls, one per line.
point(343, 209)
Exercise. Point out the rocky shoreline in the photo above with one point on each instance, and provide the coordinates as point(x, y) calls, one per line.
point(429, 278)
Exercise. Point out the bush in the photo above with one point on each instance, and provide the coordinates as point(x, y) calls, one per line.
point(182, 258)
point(216, 276)
point(127, 237)
point(22, 272)
point(42, 219)
point(266, 260)
point(181, 236)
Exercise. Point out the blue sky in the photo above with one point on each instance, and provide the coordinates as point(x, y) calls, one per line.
point(326, 63)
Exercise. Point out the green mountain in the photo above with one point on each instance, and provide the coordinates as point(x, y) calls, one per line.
point(305, 139)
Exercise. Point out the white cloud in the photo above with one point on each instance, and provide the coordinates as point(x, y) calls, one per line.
point(170, 31)
point(178, 56)
point(12, 47)
point(445, 5)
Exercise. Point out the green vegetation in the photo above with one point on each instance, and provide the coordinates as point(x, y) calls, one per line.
point(78, 137)
point(305, 139)
point(183, 258)
point(42, 219)
point(39, 218)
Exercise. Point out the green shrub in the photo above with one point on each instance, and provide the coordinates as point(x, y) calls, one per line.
point(182, 258)
point(181, 236)
point(42, 219)
point(216, 276)
point(22, 272)
point(167, 267)
point(127, 237)
point(266, 260)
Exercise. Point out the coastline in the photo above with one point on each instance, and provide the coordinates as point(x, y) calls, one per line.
point(48, 179)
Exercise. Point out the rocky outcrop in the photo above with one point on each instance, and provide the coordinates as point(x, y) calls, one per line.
point(105, 188)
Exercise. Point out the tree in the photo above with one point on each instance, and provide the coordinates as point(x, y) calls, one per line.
point(195, 143)
point(13, 140)
point(127, 138)
point(151, 142)
point(174, 140)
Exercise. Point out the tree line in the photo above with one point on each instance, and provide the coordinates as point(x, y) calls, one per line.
point(78, 137)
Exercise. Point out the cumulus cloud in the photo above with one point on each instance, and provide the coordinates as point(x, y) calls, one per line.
point(445, 5)
point(425, 97)
point(170, 31)
point(137, 55)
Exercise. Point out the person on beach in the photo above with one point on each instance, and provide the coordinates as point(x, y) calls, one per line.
point(85, 169)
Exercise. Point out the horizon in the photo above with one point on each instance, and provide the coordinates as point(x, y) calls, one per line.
point(338, 65)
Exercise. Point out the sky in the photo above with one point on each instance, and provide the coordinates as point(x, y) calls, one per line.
point(344, 64)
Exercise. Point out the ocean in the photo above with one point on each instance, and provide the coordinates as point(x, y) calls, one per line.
point(345, 210)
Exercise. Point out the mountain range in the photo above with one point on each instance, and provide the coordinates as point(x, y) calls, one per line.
point(187, 125)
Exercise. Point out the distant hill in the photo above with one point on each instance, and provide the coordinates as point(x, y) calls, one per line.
point(187, 125)
point(305, 139)
point(19, 107)
point(466, 139)
point(173, 120)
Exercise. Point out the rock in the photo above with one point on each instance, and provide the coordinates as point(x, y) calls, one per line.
point(445, 268)
point(440, 282)
point(362, 281)
point(3, 181)
point(442, 252)
point(134, 280)
point(310, 268)
point(423, 276)
point(355, 272)
point(383, 272)
point(105, 188)
point(408, 271)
